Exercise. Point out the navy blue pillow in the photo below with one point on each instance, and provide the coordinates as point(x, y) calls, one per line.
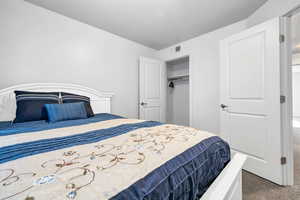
point(67, 111)
point(30, 105)
point(74, 98)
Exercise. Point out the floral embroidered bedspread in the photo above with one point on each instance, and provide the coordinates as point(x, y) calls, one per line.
point(116, 158)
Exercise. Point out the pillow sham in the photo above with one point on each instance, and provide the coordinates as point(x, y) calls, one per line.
point(74, 98)
point(67, 111)
point(30, 105)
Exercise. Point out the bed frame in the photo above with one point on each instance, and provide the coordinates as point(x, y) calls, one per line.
point(227, 186)
point(100, 101)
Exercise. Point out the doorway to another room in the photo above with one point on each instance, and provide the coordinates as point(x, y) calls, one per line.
point(295, 76)
point(295, 26)
point(259, 188)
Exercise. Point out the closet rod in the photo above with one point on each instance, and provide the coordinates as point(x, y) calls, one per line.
point(176, 78)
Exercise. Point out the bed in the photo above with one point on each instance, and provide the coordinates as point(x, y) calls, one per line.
point(110, 157)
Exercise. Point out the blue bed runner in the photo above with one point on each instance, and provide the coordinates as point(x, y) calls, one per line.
point(7, 128)
point(16, 151)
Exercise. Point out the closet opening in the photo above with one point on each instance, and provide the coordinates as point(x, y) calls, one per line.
point(178, 92)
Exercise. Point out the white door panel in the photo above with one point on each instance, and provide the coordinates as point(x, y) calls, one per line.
point(151, 88)
point(152, 113)
point(152, 80)
point(250, 92)
point(250, 124)
point(247, 67)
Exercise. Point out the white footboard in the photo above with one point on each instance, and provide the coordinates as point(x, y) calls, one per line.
point(228, 185)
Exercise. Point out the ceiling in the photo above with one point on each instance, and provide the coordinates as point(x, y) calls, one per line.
point(155, 23)
point(296, 33)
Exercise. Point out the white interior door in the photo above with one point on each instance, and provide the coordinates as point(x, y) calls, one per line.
point(152, 87)
point(250, 98)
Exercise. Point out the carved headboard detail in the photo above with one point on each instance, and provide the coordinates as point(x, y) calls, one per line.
point(100, 101)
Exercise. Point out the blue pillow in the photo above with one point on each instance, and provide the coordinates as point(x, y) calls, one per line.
point(30, 105)
point(74, 98)
point(67, 111)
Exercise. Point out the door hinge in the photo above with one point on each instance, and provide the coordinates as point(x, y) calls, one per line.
point(281, 38)
point(282, 99)
point(283, 160)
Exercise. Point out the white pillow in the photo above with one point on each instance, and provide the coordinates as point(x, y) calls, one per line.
point(8, 107)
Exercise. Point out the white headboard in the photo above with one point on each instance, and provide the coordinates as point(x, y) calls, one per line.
point(100, 101)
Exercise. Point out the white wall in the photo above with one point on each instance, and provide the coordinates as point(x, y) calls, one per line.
point(295, 34)
point(272, 9)
point(296, 86)
point(204, 74)
point(296, 93)
point(37, 45)
point(296, 59)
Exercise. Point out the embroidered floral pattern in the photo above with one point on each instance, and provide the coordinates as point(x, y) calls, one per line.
point(79, 169)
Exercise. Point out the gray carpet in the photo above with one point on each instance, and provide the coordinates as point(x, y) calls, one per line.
point(256, 188)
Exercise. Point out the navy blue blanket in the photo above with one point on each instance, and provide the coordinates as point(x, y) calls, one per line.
point(185, 177)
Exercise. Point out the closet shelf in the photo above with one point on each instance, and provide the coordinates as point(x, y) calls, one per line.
point(175, 78)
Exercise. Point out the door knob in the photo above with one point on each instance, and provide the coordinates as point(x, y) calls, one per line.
point(143, 104)
point(223, 106)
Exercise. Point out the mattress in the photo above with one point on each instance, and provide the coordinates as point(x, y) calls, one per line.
point(108, 157)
